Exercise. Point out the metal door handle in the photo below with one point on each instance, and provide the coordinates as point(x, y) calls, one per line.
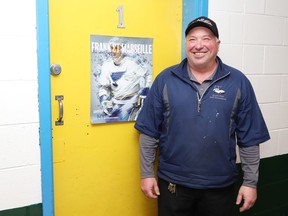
point(55, 69)
point(61, 108)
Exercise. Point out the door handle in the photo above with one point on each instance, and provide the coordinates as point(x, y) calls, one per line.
point(55, 69)
point(60, 99)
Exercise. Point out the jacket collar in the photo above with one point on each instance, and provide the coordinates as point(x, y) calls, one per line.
point(180, 70)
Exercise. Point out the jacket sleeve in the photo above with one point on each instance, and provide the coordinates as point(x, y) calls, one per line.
point(251, 128)
point(150, 119)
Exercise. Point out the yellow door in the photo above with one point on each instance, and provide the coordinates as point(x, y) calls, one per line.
point(96, 166)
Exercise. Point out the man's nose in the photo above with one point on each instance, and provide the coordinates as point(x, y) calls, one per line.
point(199, 44)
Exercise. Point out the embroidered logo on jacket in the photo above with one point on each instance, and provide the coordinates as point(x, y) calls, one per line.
point(218, 90)
point(219, 93)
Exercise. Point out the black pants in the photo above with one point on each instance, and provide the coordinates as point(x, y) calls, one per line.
point(196, 202)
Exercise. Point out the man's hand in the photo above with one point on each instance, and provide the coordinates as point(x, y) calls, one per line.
point(248, 195)
point(150, 188)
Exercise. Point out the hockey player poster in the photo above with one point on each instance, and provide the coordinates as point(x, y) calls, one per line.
point(121, 75)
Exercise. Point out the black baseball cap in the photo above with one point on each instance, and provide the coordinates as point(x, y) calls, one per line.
point(204, 22)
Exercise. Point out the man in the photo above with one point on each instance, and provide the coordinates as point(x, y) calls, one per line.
point(123, 85)
point(195, 113)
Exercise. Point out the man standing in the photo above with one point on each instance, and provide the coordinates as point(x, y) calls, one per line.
point(195, 113)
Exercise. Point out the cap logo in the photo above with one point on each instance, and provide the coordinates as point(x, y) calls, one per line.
point(204, 21)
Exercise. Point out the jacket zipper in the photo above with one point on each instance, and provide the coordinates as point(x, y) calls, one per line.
point(199, 101)
point(200, 98)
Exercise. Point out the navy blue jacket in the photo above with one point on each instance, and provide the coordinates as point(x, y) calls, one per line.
point(198, 135)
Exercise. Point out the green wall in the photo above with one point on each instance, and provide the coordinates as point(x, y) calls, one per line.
point(272, 188)
point(272, 192)
point(34, 210)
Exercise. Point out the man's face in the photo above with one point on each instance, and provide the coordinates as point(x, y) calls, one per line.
point(202, 47)
point(116, 53)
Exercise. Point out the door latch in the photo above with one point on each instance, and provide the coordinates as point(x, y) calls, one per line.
point(60, 99)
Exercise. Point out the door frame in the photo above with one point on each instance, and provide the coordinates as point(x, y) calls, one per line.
point(191, 9)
